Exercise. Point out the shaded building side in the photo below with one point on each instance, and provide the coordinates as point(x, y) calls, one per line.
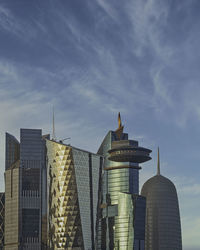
point(2, 219)
point(12, 150)
point(163, 227)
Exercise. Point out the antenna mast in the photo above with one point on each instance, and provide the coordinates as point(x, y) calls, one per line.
point(158, 163)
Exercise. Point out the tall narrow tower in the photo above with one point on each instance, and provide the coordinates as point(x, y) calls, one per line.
point(119, 199)
point(163, 227)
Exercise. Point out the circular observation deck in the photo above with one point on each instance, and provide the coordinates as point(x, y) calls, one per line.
point(129, 154)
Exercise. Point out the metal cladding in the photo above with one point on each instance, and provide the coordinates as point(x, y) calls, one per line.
point(129, 154)
point(65, 230)
point(73, 176)
point(163, 227)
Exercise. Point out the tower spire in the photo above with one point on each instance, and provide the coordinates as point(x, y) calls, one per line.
point(158, 163)
point(119, 131)
point(119, 121)
point(53, 134)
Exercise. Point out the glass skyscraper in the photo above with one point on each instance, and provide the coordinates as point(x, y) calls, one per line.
point(24, 191)
point(73, 183)
point(119, 188)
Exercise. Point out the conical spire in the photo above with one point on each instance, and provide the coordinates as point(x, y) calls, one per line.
point(119, 131)
point(158, 163)
point(119, 121)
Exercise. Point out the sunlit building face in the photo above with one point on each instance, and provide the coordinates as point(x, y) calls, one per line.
point(73, 180)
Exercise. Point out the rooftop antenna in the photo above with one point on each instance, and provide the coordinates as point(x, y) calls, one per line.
point(158, 163)
point(61, 141)
point(53, 134)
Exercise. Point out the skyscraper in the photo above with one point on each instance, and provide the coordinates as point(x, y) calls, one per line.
point(119, 190)
point(163, 227)
point(24, 195)
point(73, 182)
point(12, 150)
point(12, 210)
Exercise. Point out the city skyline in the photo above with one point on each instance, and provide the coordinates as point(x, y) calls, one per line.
point(91, 61)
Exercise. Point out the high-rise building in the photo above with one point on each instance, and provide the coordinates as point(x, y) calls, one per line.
point(73, 182)
point(119, 200)
point(2, 219)
point(12, 150)
point(12, 219)
point(25, 197)
point(163, 227)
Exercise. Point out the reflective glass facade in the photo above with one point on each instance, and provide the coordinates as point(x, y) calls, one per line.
point(25, 191)
point(130, 222)
point(32, 160)
point(119, 181)
point(73, 179)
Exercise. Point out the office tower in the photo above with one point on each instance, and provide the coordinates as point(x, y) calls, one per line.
point(73, 179)
point(163, 227)
point(12, 150)
point(119, 200)
point(12, 219)
point(2, 216)
point(24, 190)
point(12, 164)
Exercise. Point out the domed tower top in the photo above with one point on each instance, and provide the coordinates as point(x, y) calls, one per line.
point(163, 227)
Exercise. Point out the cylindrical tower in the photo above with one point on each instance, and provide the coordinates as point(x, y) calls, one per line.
point(163, 227)
point(127, 155)
point(120, 180)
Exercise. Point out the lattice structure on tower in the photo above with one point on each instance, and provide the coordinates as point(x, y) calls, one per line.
point(65, 230)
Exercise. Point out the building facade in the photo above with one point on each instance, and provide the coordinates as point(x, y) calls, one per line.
point(25, 191)
point(73, 177)
point(12, 219)
point(2, 219)
point(12, 150)
point(163, 227)
point(119, 183)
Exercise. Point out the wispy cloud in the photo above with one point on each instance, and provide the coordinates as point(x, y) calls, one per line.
point(92, 59)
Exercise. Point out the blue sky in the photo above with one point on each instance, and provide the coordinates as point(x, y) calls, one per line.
point(92, 59)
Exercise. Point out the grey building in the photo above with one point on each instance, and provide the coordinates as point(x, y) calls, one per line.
point(73, 183)
point(163, 227)
point(12, 150)
point(24, 190)
point(119, 183)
